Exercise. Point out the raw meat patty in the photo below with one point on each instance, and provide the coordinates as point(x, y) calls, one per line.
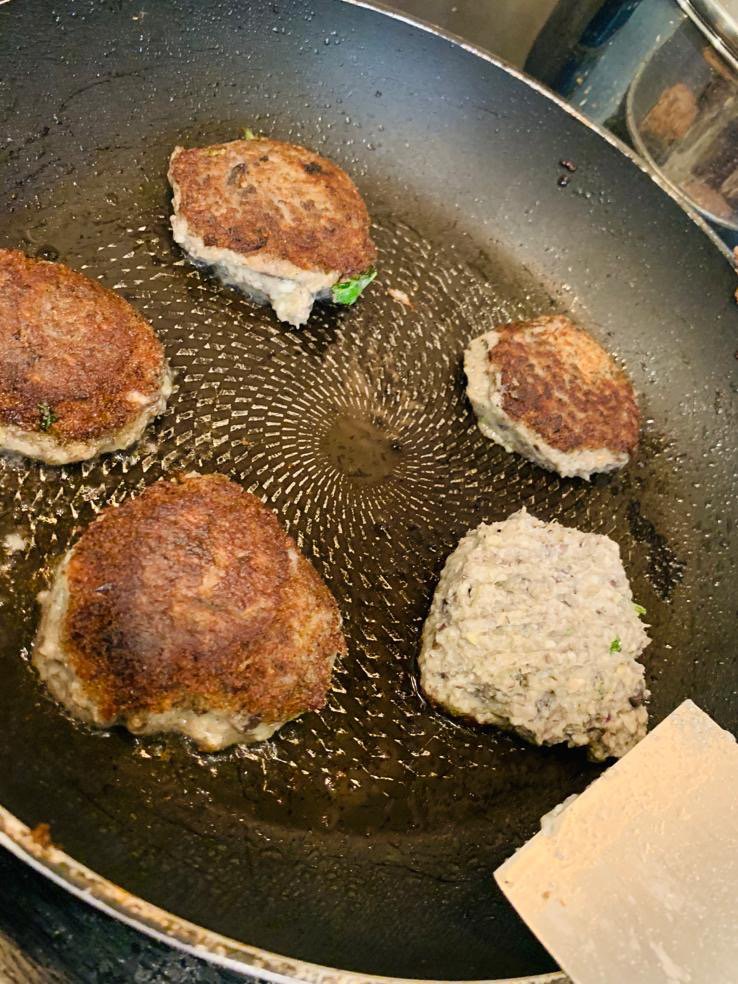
point(533, 628)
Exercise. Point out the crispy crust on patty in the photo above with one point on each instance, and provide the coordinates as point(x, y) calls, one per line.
point(560, 383)
point(191, 595)
point(71, 345)
point(273, 200)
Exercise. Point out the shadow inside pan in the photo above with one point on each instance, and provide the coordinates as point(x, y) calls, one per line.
point(363, 837)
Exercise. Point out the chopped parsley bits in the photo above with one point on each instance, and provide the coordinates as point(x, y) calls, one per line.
point(639, 609)
point(248, 133)
point(47, 417)
point(348, 291)
point(615, 646)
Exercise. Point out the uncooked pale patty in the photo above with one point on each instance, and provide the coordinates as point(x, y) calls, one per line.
point(188, 609)
point(275, 220)
point(80, 371)
point(546, 389)
point(533, 629)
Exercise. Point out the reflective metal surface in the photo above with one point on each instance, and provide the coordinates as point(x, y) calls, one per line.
point(682, 115)
point(718, 20)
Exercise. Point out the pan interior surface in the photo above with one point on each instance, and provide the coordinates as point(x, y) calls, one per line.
point(363, 837)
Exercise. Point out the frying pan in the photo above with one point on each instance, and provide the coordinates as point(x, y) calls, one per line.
point(362, 838)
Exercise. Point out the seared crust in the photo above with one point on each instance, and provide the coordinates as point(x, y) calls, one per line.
point(69, 344)
point(561, 384)
point(192, 595)
point(274, 199)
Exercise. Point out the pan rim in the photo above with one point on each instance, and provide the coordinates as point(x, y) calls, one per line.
point(480, 52)
point(170, 929)
point(165, 927)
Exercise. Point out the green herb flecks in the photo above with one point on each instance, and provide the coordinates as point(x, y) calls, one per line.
point(639, 609)
point(215, 151)
point(46, 417)
point(248, 133)
point(615, 646)
point(348, 290)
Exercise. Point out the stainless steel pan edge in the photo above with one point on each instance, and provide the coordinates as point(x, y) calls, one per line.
point(230, 954)
point(173, 931)
point(606, 135)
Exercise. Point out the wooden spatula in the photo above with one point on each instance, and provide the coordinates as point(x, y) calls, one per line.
point(635, 881)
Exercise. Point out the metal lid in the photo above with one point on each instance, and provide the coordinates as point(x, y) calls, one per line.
point(718, 21)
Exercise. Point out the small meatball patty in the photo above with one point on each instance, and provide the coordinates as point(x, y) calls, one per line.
point(546, 389)
point(275, 220)
point(81, 372)
point(533, 629)
point(188, 609)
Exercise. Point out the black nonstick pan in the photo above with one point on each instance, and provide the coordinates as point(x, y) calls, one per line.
point(362, 838)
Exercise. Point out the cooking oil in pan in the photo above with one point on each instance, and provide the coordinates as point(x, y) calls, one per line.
point(356, 431)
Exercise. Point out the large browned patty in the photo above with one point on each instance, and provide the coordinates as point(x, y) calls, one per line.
point(189, 609)
point(267, 214)
point(547, 389)
point(81, 372)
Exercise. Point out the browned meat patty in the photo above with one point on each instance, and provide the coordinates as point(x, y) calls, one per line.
point(546, 389)
point(274, 219)
point(189, 609)
point(80, 371)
